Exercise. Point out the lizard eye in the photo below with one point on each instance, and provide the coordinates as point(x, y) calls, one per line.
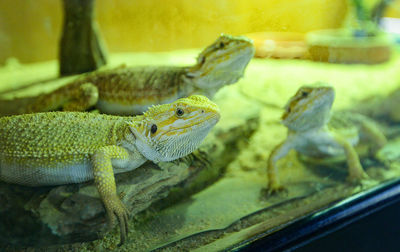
point(304, 94)
point(179, 112)
point(221, 45)
point(153, 129)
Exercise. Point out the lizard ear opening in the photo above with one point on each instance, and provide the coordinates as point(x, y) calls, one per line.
point(192, 73)
point(202, 60)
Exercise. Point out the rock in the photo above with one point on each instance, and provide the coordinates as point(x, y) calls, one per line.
point(72, 213)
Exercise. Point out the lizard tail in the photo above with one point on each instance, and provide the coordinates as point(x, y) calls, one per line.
point(47, 102)
point(32, 104)
point(77, 96)
point(15, 106)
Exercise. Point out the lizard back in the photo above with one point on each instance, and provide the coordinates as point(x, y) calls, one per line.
point(138, 84)
point(53, 148)
point(55, 134)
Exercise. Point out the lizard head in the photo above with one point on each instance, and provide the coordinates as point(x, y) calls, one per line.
point(221, 63)
point(171, 131)
point(309, 108)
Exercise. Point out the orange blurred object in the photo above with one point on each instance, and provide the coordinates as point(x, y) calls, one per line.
point(342, 46)
point(279, 45)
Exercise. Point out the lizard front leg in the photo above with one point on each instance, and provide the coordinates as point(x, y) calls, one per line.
point(105, 183)
point(272, 170)
point(82, 98)
point(356, 172)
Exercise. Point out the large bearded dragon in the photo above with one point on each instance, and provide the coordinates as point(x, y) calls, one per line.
point(131, 90)
point(57, 148)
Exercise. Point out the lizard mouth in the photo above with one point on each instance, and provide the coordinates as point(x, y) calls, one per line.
point(228, 52)
point(236, 49)
point(196, 124)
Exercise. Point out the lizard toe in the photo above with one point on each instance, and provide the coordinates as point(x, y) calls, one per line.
point(274, 190)
point(123, 218)
point(357, 178)
point(118, 211)
point(122, 230)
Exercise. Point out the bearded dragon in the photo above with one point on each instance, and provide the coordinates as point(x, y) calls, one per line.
point(313, 133)
point(56, 148)
point(131, 90)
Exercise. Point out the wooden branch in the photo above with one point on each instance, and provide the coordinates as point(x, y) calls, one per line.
point(81, 48)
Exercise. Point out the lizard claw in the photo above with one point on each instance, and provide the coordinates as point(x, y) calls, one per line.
point(357, 178)
point(274, 189)
point(363, 180)
point(117, 210)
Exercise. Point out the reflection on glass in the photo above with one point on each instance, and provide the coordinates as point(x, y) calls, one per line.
point(190, 125)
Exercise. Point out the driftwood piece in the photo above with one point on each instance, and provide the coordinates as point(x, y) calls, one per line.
point(81, 49)
point(73, 213)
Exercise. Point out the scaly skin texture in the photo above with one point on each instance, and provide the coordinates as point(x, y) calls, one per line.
point(314, 133)
point(131, 90)
point(57, 148)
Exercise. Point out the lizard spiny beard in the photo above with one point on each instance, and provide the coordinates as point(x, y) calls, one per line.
point(180, 145)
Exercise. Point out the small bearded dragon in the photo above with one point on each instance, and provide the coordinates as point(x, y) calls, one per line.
point(314, 133)
point(131, 90)
point(57, 148)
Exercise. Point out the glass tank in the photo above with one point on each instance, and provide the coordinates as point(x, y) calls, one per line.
point(194, 125)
